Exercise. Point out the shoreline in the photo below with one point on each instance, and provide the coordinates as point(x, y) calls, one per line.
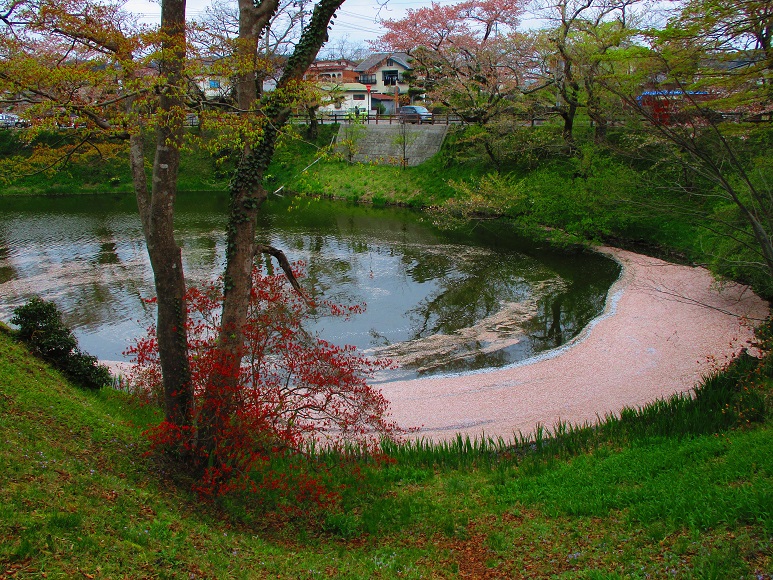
point(663, 328)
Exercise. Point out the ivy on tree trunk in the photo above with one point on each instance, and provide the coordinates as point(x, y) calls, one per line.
point(247, 190)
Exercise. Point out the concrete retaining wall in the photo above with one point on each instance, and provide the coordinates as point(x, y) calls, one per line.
point(390, 144)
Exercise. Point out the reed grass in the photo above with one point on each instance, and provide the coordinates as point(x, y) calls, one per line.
point(721, 402)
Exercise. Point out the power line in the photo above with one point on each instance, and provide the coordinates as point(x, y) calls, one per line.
point(355, 15)
point(358, 28)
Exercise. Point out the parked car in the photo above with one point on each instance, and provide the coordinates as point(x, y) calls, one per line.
point(9, 120)
point(414, 114)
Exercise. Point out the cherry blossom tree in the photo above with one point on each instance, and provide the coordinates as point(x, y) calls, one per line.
point(460, 54)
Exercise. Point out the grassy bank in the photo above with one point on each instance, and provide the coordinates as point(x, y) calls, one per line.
point(103, 168)
point(79, 500)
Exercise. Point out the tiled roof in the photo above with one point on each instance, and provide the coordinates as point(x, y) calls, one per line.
point(376, 59)
point(345, 86)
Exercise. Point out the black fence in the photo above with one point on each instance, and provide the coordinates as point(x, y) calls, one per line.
point(379, 119)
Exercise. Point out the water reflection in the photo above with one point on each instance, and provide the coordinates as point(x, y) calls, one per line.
point(7, 271)
point(435, 301)
point(561, 316)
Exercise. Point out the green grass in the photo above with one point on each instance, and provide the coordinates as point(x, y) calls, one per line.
point(105, 171)
point(79, 499)
point(379, 184)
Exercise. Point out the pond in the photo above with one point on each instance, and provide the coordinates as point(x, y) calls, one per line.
point(437, 301)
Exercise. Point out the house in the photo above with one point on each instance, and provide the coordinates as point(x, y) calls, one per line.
point(380, 82)
point(345, 98)
point(214, 87)
point(667, 106)
point(215, 81)
point(339, 81)
point(332, 71)
point(385, 74)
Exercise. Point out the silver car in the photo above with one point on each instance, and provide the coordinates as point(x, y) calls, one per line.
point(9, 120)
point(414, 114)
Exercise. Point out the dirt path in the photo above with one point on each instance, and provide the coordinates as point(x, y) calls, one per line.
point(664, 327)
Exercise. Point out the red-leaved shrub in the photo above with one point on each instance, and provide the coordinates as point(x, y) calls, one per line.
point(293, 390)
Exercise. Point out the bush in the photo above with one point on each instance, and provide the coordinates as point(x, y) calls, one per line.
point(289, 392)
point(41, 328)
point(85, 370)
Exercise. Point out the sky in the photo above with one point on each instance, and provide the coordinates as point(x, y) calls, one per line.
point(357, 19)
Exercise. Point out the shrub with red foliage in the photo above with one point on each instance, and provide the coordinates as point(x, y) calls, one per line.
point(293, 389)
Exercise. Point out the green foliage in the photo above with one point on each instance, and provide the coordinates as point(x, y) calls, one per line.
point(100, 169)
point(727, 233)
point(348, 143)
point(85, 370)
point(580, 198)
point(492, 195)
point(507, 145)
point(584, 196)
point(41, 327)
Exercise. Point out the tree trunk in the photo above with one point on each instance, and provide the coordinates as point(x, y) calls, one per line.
point(247, 192)
point(600, 133)
point(568, 114)
point(313, 131)
point(157, 215)
point(247, 195)
point(491, 153)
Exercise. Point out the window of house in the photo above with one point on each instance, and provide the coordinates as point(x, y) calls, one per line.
point(391, 77)
point(359, 97)
point(214, 84)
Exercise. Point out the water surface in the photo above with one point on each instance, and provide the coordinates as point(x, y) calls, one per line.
point(436, 301)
